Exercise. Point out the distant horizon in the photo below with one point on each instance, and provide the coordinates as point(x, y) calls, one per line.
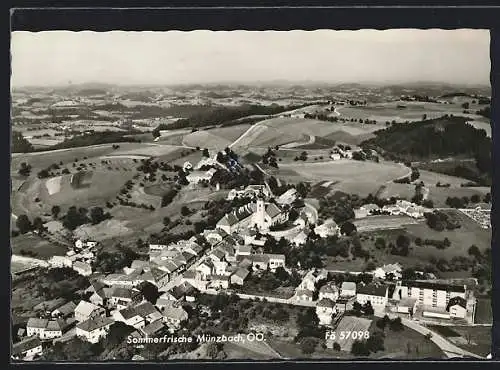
point(173, 58)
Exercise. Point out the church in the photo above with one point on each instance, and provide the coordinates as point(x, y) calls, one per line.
point(260, 214)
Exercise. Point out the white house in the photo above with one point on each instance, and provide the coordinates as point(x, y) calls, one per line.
point(173, 315)
point(86, 310)
point(65, 310)
point(394, 270)
point(45, 329)
point(93, 330)
point(130, 317)
point(288, 197)
point(205, 269)
point(457, 307)
point(407, 305)
point(328, 228)
point(326, 310)
point(239, 276)
point(82, 268)
point(27, 349)
point(276, 260)
point(348, 289)
point(365, 210)
point(123, 297)
point(335, 156)
point(329, 291)
point(198, 176)
point(304, 295)
point(60, 261)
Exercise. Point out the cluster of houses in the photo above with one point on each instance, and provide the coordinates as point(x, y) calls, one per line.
point(479, 215)
point(401, 207)
point(432, 300)
point(79, 257)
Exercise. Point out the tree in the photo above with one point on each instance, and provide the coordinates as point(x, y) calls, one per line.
point(25, 169)
point(375, 342)
point(206, 153)
point(149, 291)
point(166, 221)
point(23, 223)
point(396, 324)
point(465, 105)
point(336, 346)
point(38, 225)
point(359, 348)
point(348, 228)
point(380, 243)
point(474, 251)
point(55, 211)
point(308, 345)
point(185, 211)
point(368, 309)
point(97, 215)
point(211, 350)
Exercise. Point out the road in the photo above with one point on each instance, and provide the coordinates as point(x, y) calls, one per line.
point(449, 349)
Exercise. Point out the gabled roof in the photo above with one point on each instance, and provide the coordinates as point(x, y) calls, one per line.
point(95, 323)
point(241, 273)
point(119, 292)
point(172, 311)
point(50, 305)
point(85, 308)
point(328, 288)
point(129, 312)
point(348, 285)
point(25, 345)
point(153, 328)
point(146, 308)
point(272, 210)
point(306, 292)
point(326, 302)
point(139, 264)
point(434, 286)
point(456, 301)
point(218, 253)
point(56, 325)
point(228, 220)
point(34, 322)
point(67, 308)
point(96, 285)
point(373, 290)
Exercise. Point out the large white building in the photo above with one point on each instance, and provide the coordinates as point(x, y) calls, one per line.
point(377, 295)
point(93, 330)
point(429, 293)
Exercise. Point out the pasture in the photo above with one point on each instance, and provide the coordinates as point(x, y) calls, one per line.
point(383, 222)
point(432, 178)
point(152, 150)
point(475, 339)
point(351, 324)
point(206, 139)
point(484, 313)
point(348, 176)
point(33, 243)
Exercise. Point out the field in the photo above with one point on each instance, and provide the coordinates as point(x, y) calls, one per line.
point(439, 195)
point(413, 111)
point(351, 324)
point(392, 189)
point(461, 239)
point(104, 230)
point(475, 339)
point(33, 243)
point(432, 178)
point(153, 150)
point(484, 313)
point(349, 176)
point(396, 346)
point(372, 223)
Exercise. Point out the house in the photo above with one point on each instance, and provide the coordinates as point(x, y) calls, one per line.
point(300, 238)
point(243, 250)
point(187, 166)
point(429, 293)
point(49, 306)
point(335, 156)
point(406, 305)
point(235, 220)
point(275, 261)
point(392, 209)
point(197, 176)
point(173, 315)
point(82, 268)
point(326, 310)
point(129, 316)
point(329, 291)
point(304, 295)
point(205, 269)
point(119, 279)
point(98, 298)
point(366, 210)
point(156, 247)
point(377, 295)
point(217, 255)
point(259, 261)
point(94, 329)
point(86, 310)
point(153, 328)
point(392, 270)
point(267, 215)
point(309, 281)
point(123, 297)
point(348, 289)
point(64, 311)
point(250, 191)
point(60, 262)
point(327, 228)
point(139, 264)
point(27, 349)
point(148, 312)
point(457, 307)
point(238, 277)
point(45, 329)
point(288, 197)
point(219, 281)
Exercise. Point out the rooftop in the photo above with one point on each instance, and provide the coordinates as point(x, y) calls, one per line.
point(25, 345)
point(95, 323)
point(434, 286)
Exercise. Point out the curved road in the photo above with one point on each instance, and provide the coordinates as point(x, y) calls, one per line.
point(449, 349)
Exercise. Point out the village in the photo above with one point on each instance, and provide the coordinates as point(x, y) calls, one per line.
point(221, 264)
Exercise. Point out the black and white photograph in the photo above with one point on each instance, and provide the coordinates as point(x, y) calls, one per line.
point(250, 195)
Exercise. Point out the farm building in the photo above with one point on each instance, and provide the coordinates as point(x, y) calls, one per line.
point(407, 305)
point(27, 349)
point(326, 310)
point(385, 271)
point(328, 228)
point(377, 295)
point(348, 289)
point(198, 176)
point(329, 291)
point(94, 329)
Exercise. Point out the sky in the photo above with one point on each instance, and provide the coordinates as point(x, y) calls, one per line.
point(54, 58)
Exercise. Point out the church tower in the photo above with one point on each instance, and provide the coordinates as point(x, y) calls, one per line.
point(260, 212)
